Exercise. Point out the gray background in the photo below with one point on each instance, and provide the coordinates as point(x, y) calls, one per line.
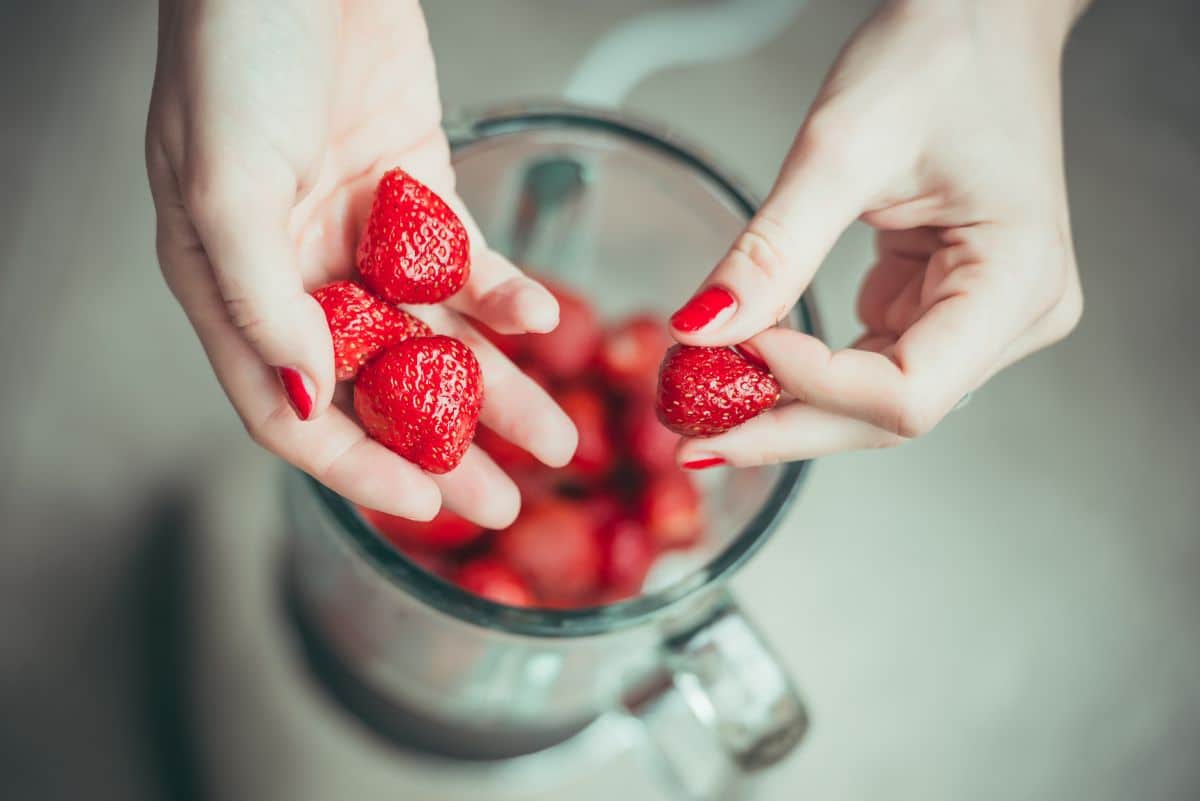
point(1009, 608)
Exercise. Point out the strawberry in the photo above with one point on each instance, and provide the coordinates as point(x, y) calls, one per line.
point(705, 391)
point(553, 546)
point(568, 350)
point(669, 508)
point(626, 555)
point(414, 248)
point(511, 345)
point(648, 442)
point(421, 399)
point(444, 532)
point(603, 508)
point(631, 352)
point(496, 581)
point(510, 457)
point(595, 455)
point(362, 325)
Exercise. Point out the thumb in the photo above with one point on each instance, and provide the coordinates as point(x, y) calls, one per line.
point(817, 195)
point(242, 226)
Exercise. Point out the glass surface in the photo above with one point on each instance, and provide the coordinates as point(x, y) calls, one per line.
point(634, 221)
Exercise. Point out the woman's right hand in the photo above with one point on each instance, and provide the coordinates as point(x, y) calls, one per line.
point(939, 127)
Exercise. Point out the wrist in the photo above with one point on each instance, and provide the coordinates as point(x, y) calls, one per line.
point(1042, 24)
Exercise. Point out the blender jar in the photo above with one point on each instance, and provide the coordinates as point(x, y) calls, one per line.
point(633, 220)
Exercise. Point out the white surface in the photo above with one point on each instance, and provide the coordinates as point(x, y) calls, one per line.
point(1007, 609)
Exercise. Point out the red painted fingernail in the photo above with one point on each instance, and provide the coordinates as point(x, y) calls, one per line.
point(701, 464)
point(751, 355)
point(701, 310)
point(297, 391)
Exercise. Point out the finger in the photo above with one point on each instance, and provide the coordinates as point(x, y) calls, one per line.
point(337, 452)
point(514, 405)
point(880, 287)
point(905, 306)
point(242, 225)
point(819, 192)
point(787, 433)
point(480, 491)
point(505, 299)
point(944, 355)
point(1054, 326)
point(499, 294)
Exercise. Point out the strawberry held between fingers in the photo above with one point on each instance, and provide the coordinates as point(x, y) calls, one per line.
point(707, 391)
point(362, 325)
point(421, 399)
point(414, 248)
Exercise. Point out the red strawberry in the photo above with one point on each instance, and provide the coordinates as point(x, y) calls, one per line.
point(553, 546)
point(567, 351)
point(626, 556)
point(631, 352)
point(496, 581)
point(537, 484)
point(595, 455)
point(511, 458)
point(705, 391)
point(604, 508)
point(422, 398)
point(362, 325)
point(511, 345)
point(414, 249)
point(650, 444)
point(670, 510)
point(444, 532)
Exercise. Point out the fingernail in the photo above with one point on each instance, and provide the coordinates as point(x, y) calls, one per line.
point(751, 355)
point(703, 463)
point(299, 391)
point(704, 309)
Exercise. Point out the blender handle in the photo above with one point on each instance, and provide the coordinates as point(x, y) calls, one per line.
point(722, 708)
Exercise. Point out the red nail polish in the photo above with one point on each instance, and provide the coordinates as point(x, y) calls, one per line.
point(701, 464)
point(750, 355)
point(293, 384)
point(702, 309)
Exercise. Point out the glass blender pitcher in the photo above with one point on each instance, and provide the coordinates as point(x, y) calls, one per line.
point(632, 219)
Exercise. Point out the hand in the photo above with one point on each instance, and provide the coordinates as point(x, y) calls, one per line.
point(269, 125)
point(938, 126)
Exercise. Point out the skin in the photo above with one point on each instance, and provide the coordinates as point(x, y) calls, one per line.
point(939, 126)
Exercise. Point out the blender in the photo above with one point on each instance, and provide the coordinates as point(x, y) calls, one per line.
point(632, 219)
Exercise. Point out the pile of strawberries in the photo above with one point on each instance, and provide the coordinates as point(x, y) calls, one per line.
point(587, 533)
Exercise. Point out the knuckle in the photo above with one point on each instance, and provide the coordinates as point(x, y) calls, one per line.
point(262, 431)
point(910, 416)
point(214, 197)
point(1067, 314)
point(829, 136)
point(758, 249)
